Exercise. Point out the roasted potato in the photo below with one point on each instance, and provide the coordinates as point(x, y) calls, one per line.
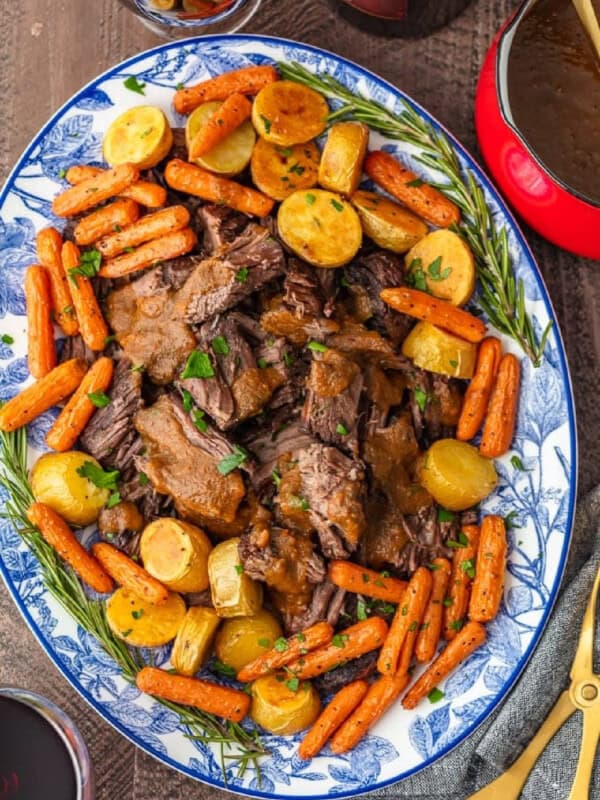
point(176, 554)
point(141, 624)
point(55, 482)
point(320, 227)
point(233, 593)
point(341, 164)
point(437, 350)
point(241, 640)
point(141, 136)
point(283, 705)
point(194, 640)
point(287, 113)
point(443, 265)
point(279, 171)
point(230, 156)
point(387, 223)
point(456, 474)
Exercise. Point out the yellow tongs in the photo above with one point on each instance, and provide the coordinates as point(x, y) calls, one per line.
point(582, 695)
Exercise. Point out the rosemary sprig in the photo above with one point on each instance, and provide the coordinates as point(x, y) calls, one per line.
point(62, 583)
point(502, 294)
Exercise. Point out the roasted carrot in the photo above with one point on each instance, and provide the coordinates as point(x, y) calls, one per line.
point(249, 80)
point(488, 585)
point(79, 409)
point(431, 626)
point(405, 625)
point(49, 245)
point(438, 312)
point(92, 326)
point(361, 580)
point(499, 426)
point(468, 640)
point(93, 191)
point(231, 704)
point(479, 389)
point(188, 178)
point(151, 226)
point(53, 388)
point(406, 186)
point(350, 643)
point(334, 714)
point(41, 350)
point(461, 577)
point(295, 647)
point(127, 573)
point(58, 534)
point(380, 696)
point(146, 255)
point(106, 220)
point(235, 110)
point(146, 193)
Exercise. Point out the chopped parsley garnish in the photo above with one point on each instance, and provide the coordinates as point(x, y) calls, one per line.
point(239, 568)
point(468, 567)
point(293, 684)
point(311, 199)
point(134, 85)
point(297, 169)
point(460, 541)
point(220, 346)
point(138, 614)
point(341, 429)
point(415, 183)
point(100, 478)
point(242, 275)
point(223, 669)
point(435, 695)
point(99, 399)
point(453, 362)
point(444, 515)
point(301, 637)
point(179, 86)
point(421, 398)
point(448, 602)
point(463, 539)
point(340, 639)
point(62, 173)
point(264, 643)
point(404, 610)
point(143, 479)
point(147, 132)
point(413, 626)
point(280, 645)
point(288, 359)
point(199, 421)
point(433, 567)
point(510, 521)
point(198, 366)
point(113, 500)
point(267, 123)
point(366, 578)
point(295, 501)
point(317, 347)
point(361, 609)
point(433, 270)
point(89, 265)
point(233, 460)
point(416, 277)
point(518, 464)
point(107, 339)
point(457, 624)
point(188, 402)
point(7, 338)
point(129, 249)
point(344, 282)
point(262, 363)
point(276, 478)
point(126, 633)
point(338, 206)
point(284, 151)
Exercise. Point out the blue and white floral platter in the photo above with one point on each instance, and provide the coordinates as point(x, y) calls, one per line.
point(540, 498)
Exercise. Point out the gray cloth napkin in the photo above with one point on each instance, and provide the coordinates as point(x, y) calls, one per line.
point(497, 743)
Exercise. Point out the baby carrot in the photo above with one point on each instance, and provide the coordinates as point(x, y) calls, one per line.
point(249, 80)
point(229, 703)
point(287, 650)
point(92, 326)
point(431, 626)
point(49, 245)
point(362, 580)
point(235, 110)
point(499, 426)
point(93, 191)
point(149, 227)
point(58, 534)
point(461, 576)
point(146, 255)
point(105, 220)
point(486, 593)
point(479, 389)
point(79, 409)
point(338, 709)
point(41, 350)
point(146, 193)
point(127, 573)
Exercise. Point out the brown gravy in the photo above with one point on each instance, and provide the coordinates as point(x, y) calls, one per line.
point(554, 93)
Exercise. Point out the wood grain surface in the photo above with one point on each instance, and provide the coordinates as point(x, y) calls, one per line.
point(50, 48)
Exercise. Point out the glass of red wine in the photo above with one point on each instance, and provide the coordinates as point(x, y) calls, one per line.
point(42, 754)
point(401, 17)
point(174, 19)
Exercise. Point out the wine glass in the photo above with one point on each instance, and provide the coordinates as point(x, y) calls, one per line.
point(175, 19)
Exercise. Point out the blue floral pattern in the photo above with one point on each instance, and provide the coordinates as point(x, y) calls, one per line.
point(540, 497)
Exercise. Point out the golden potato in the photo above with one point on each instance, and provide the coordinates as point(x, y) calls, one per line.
point(279, 171)
point(233, 593)
point(56, 482)
point(341, 164)
point(141, 136)
point(283, 705)
point(230, 156)
point(243, 639)
point(176, 554)
point(320, 227)
point(387, 223)
point(443, 265)
point(437, 350)
point(141, 624)
point(456, 474)
point(194, 640)
point(286, 113)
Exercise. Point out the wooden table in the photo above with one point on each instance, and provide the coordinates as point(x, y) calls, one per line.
point(50, 48)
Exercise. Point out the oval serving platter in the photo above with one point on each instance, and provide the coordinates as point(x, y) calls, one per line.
point(539, 499)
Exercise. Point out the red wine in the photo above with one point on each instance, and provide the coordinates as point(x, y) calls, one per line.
point(400, 17)
point(34, 761)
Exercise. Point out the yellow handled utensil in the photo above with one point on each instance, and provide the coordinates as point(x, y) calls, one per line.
point(584, 695)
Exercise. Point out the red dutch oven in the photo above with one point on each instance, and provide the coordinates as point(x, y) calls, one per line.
point(545, 202)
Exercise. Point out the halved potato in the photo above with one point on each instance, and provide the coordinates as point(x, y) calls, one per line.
point(242, 639)
point(141, 136)
point(443, 264)
point(387, 223)
point(341, 164)
point(230, 156)
point(141, 624)
point(436, 350)
point(320, 227)
point(233, 593)
point(176, 554)
point(193, 643)
point(457, 475)
point(281, 709)
point(286, 113)
point(279, 171)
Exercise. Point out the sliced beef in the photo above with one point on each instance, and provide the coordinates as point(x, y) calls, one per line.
point(122, 526)
point(75, 347)
point(314, 611)
point(302, 290)
point(282, 320)
point(435, 404)
point(368, 347)
point(220, 225)
point(386, 536)
point(470, 517)
point(385, 389)
point(282, 435)
point(358, 669)
point(426, 540)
